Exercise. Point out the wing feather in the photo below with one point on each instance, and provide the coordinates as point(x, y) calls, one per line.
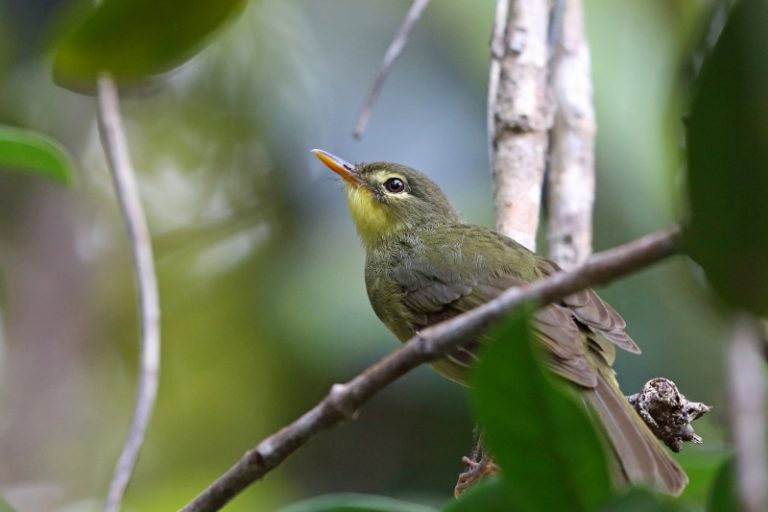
point(554, 325)
point(589, 309)
point(572, 331)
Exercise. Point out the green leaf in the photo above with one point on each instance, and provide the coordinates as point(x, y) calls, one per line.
point(484, 496)
point(350, 502)
point(702, 467)
point(34, 153)
point(5, 507)
point(728, 161)
point(135, 39)
point(640, 500)
point(722, 494)
point(546, 445)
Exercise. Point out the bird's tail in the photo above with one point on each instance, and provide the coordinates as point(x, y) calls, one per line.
point(639, 455)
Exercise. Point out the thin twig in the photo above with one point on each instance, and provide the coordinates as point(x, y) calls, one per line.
point(746, 375)
point(393, 52)
point(520, 115)
point(344, 399)
point(124, 180)
point(571, 191)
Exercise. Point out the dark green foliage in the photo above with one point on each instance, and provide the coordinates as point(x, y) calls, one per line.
point(34, 153)
point(486, 496)
point(354, 503)
point(640, 500)
point(728, 161)
point(722, 494)
point(550, 453)
point(135, 39)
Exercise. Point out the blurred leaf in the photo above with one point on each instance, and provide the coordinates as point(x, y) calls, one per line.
point(701, 466)
point(640, 500)
point(34, 153)
point(354, 503)
point(722, 494)
point(135, 39)
point(5, 507)
point(728, 161)
point(550, 453)
point(488, 496)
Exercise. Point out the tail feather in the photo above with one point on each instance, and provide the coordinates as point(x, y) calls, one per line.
point(640, 456)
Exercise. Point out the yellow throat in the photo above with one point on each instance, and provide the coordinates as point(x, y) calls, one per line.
point(372, 219)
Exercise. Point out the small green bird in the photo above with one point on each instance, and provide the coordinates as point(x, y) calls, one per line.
point(423, 266)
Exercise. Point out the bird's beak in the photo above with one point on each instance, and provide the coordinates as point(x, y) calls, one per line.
point(346, 170)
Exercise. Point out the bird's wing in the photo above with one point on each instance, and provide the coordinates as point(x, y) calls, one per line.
point(590, 310)
point(432, 295)
point(579, 334)
point(552, 325)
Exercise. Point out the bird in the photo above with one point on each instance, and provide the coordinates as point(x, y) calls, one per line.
point(424, 265)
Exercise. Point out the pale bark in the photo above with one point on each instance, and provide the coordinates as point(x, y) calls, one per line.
point(571, 184)
point(747, 383)
point(127, 192)
point(520, 117)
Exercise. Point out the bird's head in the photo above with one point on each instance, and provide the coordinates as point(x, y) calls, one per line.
point(387, 199)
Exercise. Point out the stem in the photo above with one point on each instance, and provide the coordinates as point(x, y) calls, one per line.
point(124, 180)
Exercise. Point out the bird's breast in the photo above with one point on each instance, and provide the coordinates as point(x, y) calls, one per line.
point(388, 299)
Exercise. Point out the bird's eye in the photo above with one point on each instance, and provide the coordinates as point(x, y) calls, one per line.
point(394, 185)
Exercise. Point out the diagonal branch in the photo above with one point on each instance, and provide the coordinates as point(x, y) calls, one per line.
point(393, 52)
point(124, 180)
point(343, 400)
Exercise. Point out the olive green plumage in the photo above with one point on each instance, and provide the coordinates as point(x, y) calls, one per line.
point(424, 265)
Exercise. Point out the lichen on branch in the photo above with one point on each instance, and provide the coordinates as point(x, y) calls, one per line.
point(668, 413)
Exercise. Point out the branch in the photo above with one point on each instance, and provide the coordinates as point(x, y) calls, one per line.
point(571, 191)
point(393, 52)
point(430, 344)
point(124, 180)
point(500, 20)
point(520, 115)
point(746, 375)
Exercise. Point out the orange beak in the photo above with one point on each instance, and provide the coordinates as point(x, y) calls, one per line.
point(346, 170)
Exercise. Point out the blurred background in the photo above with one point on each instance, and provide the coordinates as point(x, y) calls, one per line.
point(261, 274)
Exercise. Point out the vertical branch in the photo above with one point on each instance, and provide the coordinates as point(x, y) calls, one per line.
point(500, 21)
point(522, 117)
point(747, 381)
point(124, 180)
point(519, 117)
point(570, 200)
point(571, 185)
